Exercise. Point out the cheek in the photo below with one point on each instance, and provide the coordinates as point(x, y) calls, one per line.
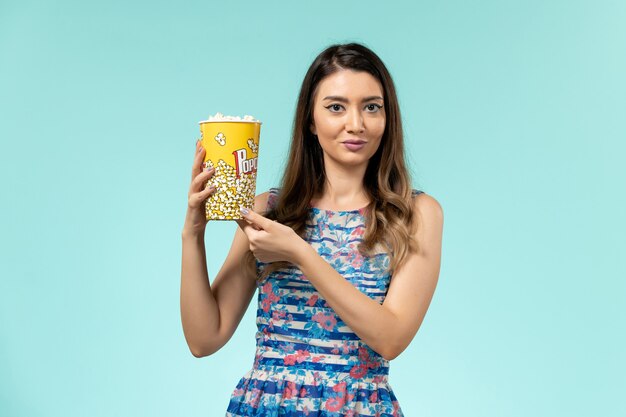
point(381, 126)
point(377, 129)
point(329, 126)
point(375, 122)
point(376, 146)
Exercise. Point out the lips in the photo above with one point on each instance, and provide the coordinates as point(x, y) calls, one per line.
point(354, 145)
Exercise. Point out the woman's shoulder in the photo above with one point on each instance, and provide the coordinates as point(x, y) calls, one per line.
point(272, 197)
point(274, 191)
point(426, 204)
point(266, 201)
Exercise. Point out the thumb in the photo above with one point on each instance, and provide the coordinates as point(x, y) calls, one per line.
point(255, 218)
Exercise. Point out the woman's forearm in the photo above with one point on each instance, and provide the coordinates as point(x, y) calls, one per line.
point(373, 323)
point(198, 307)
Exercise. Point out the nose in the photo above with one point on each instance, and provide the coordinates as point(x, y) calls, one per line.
point(354, 123)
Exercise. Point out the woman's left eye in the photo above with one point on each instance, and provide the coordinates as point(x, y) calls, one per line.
point(373, 107)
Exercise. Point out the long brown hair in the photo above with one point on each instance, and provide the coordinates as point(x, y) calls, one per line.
point(389, 217)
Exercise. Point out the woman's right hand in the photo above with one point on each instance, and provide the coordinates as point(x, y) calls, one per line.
point(195, 222)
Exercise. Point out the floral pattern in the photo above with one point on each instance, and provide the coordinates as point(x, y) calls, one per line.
point(308, 362)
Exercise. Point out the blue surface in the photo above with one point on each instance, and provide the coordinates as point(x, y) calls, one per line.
point(514, 119)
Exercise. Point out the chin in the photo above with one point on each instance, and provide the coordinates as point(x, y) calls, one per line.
point(355, 162)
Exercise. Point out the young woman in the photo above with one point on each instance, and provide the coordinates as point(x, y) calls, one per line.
point(345, 254)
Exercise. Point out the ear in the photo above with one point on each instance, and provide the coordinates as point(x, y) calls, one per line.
point(312, 128)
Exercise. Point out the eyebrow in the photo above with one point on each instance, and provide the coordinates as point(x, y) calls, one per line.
point(345, 100)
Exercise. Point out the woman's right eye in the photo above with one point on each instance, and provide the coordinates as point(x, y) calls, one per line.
point(334, 108)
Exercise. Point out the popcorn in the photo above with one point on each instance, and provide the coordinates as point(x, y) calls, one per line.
point(219, 117)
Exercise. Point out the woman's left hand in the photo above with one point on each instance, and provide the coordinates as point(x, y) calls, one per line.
point(270, 241)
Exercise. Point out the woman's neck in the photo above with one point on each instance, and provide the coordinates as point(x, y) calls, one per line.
point(343, 189)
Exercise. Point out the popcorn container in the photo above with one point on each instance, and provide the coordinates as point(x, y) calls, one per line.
point(232, 148)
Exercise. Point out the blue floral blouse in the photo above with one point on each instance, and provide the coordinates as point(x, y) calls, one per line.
point(308, 362)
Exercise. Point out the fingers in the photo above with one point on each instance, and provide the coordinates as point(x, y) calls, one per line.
point(199, 198)
point(199, 192)
point(246, 226)
point(257, 219)
point(199, 182)
point(198, 160)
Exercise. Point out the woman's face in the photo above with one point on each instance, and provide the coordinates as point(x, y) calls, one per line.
point(348, 117)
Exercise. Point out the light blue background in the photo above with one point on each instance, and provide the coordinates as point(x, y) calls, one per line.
point(514, 114)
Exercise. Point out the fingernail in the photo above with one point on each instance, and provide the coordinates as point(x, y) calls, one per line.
point(245, 211)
